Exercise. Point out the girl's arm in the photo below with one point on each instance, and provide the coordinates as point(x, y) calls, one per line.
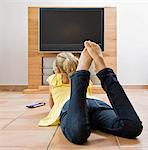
point(51, 103)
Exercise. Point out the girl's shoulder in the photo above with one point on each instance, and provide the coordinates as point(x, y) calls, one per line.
point(55, 79)
point(59, 79)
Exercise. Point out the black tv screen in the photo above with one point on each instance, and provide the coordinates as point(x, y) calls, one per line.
point(66, 29)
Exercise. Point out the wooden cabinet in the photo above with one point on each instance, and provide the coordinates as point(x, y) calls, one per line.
point(35, 57)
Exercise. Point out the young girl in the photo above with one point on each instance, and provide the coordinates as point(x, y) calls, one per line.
point(64, 66)
point(73, 107)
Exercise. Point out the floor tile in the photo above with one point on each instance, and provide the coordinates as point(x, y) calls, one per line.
point(134, 148)
point(36, 113)
point(140, 141)
point(96, 140)
point(4, 122)
point(10, 114)
point(27, 124)
point(21, 148)
point(32, 138)
point(84, 148)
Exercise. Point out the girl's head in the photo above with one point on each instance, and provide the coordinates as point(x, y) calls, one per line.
point(65, 62)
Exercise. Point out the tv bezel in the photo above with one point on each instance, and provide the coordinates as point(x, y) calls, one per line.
point(78, 8)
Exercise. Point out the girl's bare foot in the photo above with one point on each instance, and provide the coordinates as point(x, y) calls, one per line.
point(94, 51)
point(84, 60)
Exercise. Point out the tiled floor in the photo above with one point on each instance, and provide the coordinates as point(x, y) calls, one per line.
point(19, 129)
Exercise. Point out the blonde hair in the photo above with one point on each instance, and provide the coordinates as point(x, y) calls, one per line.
point(66, 62)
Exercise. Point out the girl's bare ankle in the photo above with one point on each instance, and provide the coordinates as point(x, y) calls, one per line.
point(99, 64)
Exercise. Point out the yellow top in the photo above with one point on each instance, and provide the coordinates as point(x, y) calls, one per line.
point(60, 94)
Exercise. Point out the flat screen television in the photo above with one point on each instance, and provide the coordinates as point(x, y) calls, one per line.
point(66, 29)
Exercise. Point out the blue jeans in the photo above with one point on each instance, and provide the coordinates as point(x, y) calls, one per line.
point(80, 115)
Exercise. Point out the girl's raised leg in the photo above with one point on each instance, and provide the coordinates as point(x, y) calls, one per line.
point(123, 119)
point(75, 123)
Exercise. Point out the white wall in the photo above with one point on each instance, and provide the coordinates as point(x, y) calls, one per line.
point(13, 44)
point(132, 33)
point(133, 43)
